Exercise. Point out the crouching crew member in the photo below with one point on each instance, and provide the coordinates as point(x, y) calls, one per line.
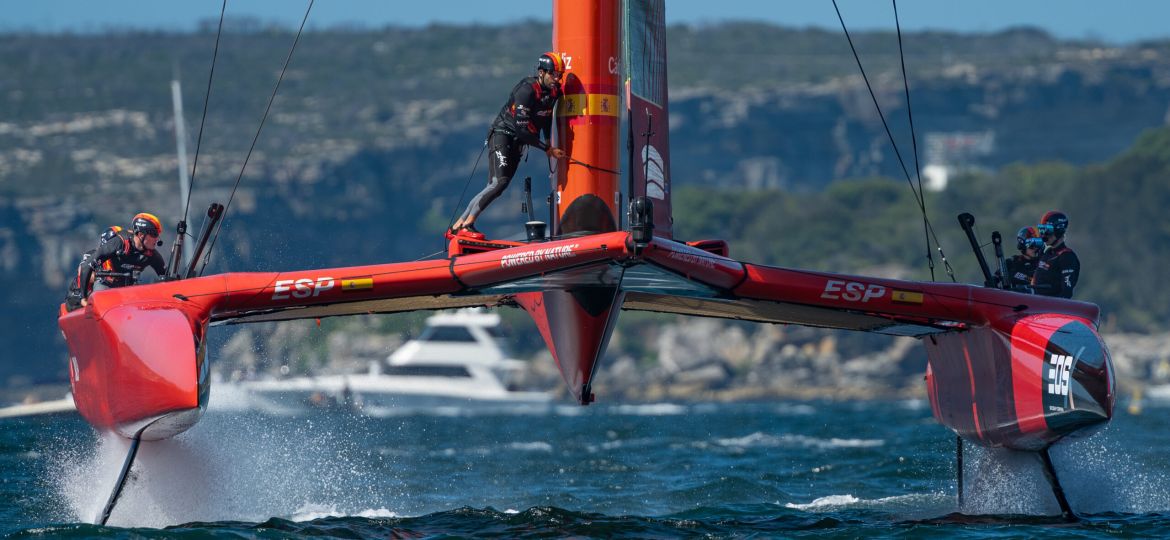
point(1022, 267)
point(527, 114)
point(119, 258)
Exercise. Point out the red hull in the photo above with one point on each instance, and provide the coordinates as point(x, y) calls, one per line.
point(137, 356)
point(138, 369)
point(1024, 387)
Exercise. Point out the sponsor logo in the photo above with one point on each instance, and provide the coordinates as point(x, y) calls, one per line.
point(700, 260)
point(534, 256)
point(852, 291)
point(301, 288)
point(1059, 373)
point(652, 167)
point(613, 65)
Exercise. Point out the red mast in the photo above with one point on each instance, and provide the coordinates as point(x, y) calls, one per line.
point(576, 322)
point(588, 36)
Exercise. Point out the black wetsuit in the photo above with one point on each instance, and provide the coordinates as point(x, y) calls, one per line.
point(116, 263)
point(524, 118)
point(1020, 270)
point(1057, 272)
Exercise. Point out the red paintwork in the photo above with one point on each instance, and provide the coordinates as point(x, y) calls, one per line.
point(991, 386)
point(136, 360)
point(132, 363)
point(694, 263)
point(993, 375)
point(588, 36)
point(940, 301)
point(576, 337)
point(133, 355)
point(482, 269)
point(1027, 355)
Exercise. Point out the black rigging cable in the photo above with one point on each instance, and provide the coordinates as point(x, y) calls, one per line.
point(913, 140)
point(463, 193)
point(206, 99)
point(918, 195)
point(255, 138)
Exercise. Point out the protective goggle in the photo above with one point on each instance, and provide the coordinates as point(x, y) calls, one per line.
point(1045, 229)
point(1034, 243)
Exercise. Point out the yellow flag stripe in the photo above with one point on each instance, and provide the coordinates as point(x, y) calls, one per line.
point(589, 104)
point(909, 297)
point(357, 284)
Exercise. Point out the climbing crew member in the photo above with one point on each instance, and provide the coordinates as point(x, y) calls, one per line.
point(120, 256)
point(1058, 268)
point(527, 114)
point(1022, 267)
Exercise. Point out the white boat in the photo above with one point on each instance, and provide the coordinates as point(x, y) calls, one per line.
point(37, 408)
point(459, 360)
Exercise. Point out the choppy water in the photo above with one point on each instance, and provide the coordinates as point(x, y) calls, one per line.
point(660, 470)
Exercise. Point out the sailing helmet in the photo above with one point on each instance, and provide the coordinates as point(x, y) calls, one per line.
point(1053, 223)
point(550, 62)
point(1029, 237)
point(147, 224)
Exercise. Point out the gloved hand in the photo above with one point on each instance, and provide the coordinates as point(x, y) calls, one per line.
point(555, 153)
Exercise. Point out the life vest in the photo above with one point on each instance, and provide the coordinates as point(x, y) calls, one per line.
point(109, 234)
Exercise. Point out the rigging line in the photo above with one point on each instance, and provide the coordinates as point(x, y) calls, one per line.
point(206, 99)
point(463, 193)
point(255, 138)
point(428, 256)
point(917, 196)
point(593, 167)
point(913, 139)
point(877, 106)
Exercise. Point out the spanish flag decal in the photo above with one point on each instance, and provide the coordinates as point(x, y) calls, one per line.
point(906, 297)
point(588, 105)
point(357, 284)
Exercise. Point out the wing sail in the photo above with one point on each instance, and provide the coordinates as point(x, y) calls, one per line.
point(647, 107)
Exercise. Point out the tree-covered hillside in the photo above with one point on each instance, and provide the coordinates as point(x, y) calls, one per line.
point(1117, 213)
point(372, 139)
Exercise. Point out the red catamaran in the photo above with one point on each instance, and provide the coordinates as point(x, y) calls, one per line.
point(1005, 369)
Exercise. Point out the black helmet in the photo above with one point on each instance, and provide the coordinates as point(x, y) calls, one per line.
point(1029, 237)
point(551, 62)
point(1054, 222)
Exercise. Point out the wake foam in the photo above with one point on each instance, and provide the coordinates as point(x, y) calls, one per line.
point(1098, 475)
point(235, 468)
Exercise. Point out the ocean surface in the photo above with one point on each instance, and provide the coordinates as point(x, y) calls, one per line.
point(777, 469)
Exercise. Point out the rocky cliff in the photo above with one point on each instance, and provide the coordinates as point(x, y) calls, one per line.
point(373, 139)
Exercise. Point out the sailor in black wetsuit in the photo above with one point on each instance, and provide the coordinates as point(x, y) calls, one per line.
point(1022, 267)
point(118, 259)
point(527, 114)
point(1059, 268)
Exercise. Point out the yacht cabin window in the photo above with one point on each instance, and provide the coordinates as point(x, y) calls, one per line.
point(447, 333)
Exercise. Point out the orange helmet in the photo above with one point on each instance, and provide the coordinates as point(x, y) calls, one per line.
point(551, 62)
point(147, 224)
